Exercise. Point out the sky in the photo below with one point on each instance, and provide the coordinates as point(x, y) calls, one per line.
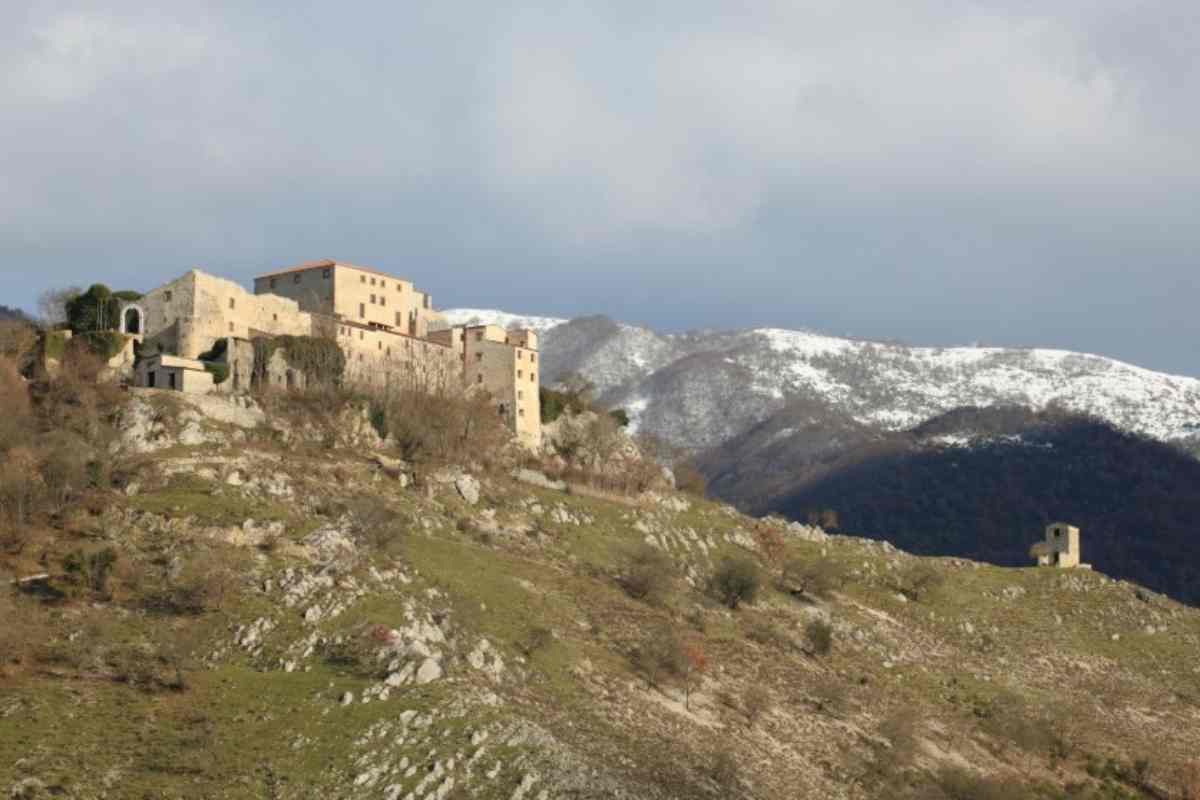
point(1012, 173)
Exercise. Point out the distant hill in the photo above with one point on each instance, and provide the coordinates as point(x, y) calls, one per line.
point(982, 483)
point(13, 313)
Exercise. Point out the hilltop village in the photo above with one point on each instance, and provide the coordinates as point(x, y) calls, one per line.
point(198, 334)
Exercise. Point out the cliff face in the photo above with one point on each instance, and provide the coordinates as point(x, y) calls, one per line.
point(283, 613)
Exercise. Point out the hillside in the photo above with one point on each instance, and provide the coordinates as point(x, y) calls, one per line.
point(250, 600)
point(980, 483)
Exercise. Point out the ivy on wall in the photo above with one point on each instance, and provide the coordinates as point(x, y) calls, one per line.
point(321, 361)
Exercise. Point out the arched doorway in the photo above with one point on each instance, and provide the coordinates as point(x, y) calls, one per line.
point(131, 321)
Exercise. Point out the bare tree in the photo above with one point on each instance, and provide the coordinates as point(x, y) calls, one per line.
point(52, 304)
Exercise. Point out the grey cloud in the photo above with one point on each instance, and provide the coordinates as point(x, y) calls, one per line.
point(1013, 172)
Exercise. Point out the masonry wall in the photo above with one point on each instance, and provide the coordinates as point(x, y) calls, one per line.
point(389, 361)
point(509, 374)
point(312, 288)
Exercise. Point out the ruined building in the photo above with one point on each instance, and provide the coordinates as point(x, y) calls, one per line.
point(198, 333)
point(1060, 547)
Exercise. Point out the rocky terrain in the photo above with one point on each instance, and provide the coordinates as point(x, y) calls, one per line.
point(269, 602)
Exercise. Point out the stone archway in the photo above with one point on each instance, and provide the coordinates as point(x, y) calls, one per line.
point(133, 321)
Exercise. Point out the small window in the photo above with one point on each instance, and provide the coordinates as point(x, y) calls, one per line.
point(325, 274)
point(520, 394)
point(167, 296)
point(398, 323)
point(372, 281)
point(479, 378)
point(380, 345)
point(272, 283)
point(296, 277)
point(383, 284)
point(231, 327)
point(362, 278)
point(533, 357)
point(399, 287)
point(520, 373)
point(362, 310)
point(275, 317)
point(520, 412)
point(479, 356)
point(532, 377)
point(382, 300)
point(232, 303)
point(520, 355)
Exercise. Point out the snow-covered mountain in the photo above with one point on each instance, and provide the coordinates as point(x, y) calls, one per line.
point(700, 389)
point(483, 316)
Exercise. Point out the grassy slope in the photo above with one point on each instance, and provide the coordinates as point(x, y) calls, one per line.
point(990, 661)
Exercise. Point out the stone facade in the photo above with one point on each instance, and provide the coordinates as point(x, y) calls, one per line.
point(392, 337)
point(172, 372)
point(1060, 547)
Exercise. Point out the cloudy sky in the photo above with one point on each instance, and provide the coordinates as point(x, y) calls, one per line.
point(1015, 173)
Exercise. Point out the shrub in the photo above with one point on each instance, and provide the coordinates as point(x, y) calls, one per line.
point(201, 585)
point(660, 654)
point(723, 768)
point(620, 416)
point(818, 578)
point(91, 569)
point(647, 574)
point(829, 695)
point(536, 639)
point(768, 635)
point(736, 581)
point(820, 636)
point(756, 701)
point(220, 372)
point(689, 479)
point(918, 580)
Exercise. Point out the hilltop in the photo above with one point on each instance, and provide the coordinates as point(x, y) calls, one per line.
point(260, 598)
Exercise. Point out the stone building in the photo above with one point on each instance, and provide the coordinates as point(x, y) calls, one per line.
point(1060, 547)
point(390, 334)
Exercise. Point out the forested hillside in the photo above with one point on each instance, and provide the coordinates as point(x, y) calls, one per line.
point(982, 483)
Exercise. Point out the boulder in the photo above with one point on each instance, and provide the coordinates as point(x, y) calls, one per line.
point(468, 487)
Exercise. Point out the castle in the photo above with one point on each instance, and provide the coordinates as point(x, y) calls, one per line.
point(198, 333)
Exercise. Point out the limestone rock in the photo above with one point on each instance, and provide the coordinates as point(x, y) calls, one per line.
point(429, 671)
point(468, 488)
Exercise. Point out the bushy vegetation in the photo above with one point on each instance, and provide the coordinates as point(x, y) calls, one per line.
point(320, 359)
point(736, 580)
point(647, 574)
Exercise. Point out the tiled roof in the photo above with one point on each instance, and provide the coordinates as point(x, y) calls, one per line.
point(326, 263)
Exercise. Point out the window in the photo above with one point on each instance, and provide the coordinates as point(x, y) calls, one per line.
point(479, 378)
point(380, 345)
point(362, 310)
point(399, 287)
point(382, 300)
point(362, 278)
point(520, 394)
point(167, 296)
point(361, 336)
point(520, 355)
point(398, 323)
point(533, 357)
point(520, 373)
point(532, 377)
point(232, 303)
point(231, 327)
point(389, 352)
point(275, 318)
point(383, 284)
point(171, 379)
point(372, 299)
point(325, 274)
point(296, 277)
point(372, 281)
point(272, 283)
point(479, 356)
